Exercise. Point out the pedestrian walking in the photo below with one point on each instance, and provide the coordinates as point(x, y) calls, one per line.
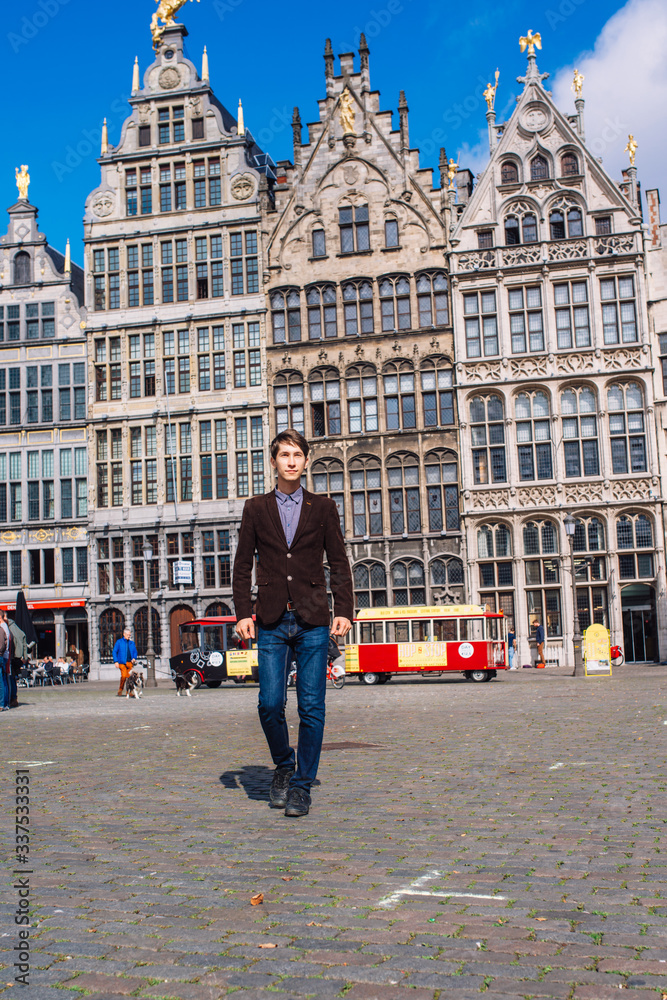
point(124, 657)
point(18, 661)
point(290, 529)
point(539, 640)
point(511, 648)
point(5, 660)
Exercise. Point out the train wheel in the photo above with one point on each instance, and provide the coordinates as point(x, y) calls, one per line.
point(480, 675)
point(369, 678)
point(192, 676)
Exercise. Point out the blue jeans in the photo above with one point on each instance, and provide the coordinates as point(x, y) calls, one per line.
point(291, 638)
point(5, 692)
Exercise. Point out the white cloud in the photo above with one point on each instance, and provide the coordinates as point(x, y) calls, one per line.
point(625, 90)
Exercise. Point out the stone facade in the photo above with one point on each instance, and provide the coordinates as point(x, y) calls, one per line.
point(555, 388)
point(360, 344)
point(43, 452)
point(173, 244)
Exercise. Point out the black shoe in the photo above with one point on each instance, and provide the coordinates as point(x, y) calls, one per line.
point(298, 802)
point(279, 787)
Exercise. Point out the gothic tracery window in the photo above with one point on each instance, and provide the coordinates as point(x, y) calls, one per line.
point(322, 321)
point(407, 579)
point(395, 303)
point(286, 316)
point(634, 534)
point(487, 420)
point(539, 168)
point(399, 395)
point(362, 403)
point(328, 479)
point(404, 494)
point(366, 489)
point(580, 432)
point(324, 384)
point(626, 428)
point(442, 490)
point(533, 435)
point(288, 400)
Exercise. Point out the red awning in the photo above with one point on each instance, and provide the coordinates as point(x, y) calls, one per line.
point(45, 605)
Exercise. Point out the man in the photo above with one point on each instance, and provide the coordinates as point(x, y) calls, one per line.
point(290, 529)
point(5, 661)
point(539, 640)
point(124, 656)
point(511, 648)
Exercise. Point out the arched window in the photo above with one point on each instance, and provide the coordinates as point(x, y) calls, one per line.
point(217, 610)
point(399, 395)
point(442, 490)
point(322, 312)
point(404, 507)
point(557, 225)
point(591, 572)
point(487, 419)
point(432, 299)
point(112, 623)
point(626, 428)
point(512, 232)
point(580, 432)
point(539, 168)
point(325, 401)
point(529, 224)
point(370, 585)
point(366, 487)
point(437, 392)
point(446, 572)
point(634, 531)
point(494, 551)
point(395, 304)
point(540, 541)
point(362, 403)
point(509, 173)
point(286, 316)
point(569, 165)
point(407, 579)
point(575, 224)
point(22, 268)
point(327, 478)
point(141, 631)
point(319, 243)
point(358, 307)
point(571, 300)
point(288, 399)
point(533, 435)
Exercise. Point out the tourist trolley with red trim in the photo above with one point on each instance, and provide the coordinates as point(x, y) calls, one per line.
point(467, 638)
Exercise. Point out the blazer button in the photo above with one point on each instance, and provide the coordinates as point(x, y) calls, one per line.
point(289, 577)
point(289, 555)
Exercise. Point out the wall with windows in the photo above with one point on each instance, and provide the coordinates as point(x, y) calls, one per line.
point(177, 371)
point(359, 342)
point(555, 387)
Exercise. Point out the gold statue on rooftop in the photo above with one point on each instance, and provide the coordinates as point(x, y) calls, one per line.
point(577, 82)
point(347, 112)
point(165, 12)
point(631, 149)
point(490, 93)
point(529, 41)
point(23, 182)
point(452, 167)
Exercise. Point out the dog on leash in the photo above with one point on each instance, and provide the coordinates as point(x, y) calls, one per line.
point(183, 685)
point(134, 685)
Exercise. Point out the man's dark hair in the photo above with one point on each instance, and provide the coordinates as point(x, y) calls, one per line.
point(289, 437)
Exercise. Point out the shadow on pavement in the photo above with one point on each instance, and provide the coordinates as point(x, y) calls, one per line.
point(254, 779)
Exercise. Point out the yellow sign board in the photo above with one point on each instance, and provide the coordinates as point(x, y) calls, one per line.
point(352, 659)
point(422, 654)
point(240, 662)
point(597, 652)
point(437, 611)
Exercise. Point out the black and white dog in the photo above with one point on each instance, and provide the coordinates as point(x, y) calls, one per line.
point(184, 685)
point(134, 685)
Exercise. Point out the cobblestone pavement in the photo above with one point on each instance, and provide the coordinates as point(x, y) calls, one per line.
point(503, 838)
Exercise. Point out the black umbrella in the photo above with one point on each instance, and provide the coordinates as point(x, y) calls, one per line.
point(23, 619)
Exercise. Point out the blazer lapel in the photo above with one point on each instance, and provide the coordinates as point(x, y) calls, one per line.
point(306, 508)
point(272, 506)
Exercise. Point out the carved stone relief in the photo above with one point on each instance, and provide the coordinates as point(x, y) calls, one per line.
point(477, 261)
point(486, 371)
point(570, 364)
point(489, 500)
point(522, 255)
point(243, 185)
point(528, 367)
point(169, 78)
point(103, 205)
point(574, 250)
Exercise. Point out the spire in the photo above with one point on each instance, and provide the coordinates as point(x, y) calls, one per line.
point(403, 116)
point(529, 41)
point(363, 59)
point(296, 137)
point(68, 258)
point(105, 138)
point(204, 67)
point(328, 60)
point(579, 102)
point(240, 127)
point(490, 98)
point(136, 83)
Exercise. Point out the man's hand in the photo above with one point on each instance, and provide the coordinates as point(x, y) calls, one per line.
point(246, 628)
point(341, 626)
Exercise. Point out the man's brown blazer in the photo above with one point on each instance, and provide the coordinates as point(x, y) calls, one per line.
point(296, 573)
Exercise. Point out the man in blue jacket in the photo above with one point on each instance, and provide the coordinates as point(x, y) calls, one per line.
point(124, 657)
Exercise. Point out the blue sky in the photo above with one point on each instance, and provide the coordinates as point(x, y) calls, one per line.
point(67, 64)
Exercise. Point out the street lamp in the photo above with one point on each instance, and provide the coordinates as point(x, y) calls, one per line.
point(150, 652)
point(570, 528)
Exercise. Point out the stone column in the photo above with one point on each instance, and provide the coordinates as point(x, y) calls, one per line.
point(61, 633)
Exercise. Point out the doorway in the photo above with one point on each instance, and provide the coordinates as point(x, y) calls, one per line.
point(640, 636)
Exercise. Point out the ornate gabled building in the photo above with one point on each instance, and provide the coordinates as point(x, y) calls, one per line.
point(360, 345)
point(554, 386)
point(43, 451)
point(177, 379)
